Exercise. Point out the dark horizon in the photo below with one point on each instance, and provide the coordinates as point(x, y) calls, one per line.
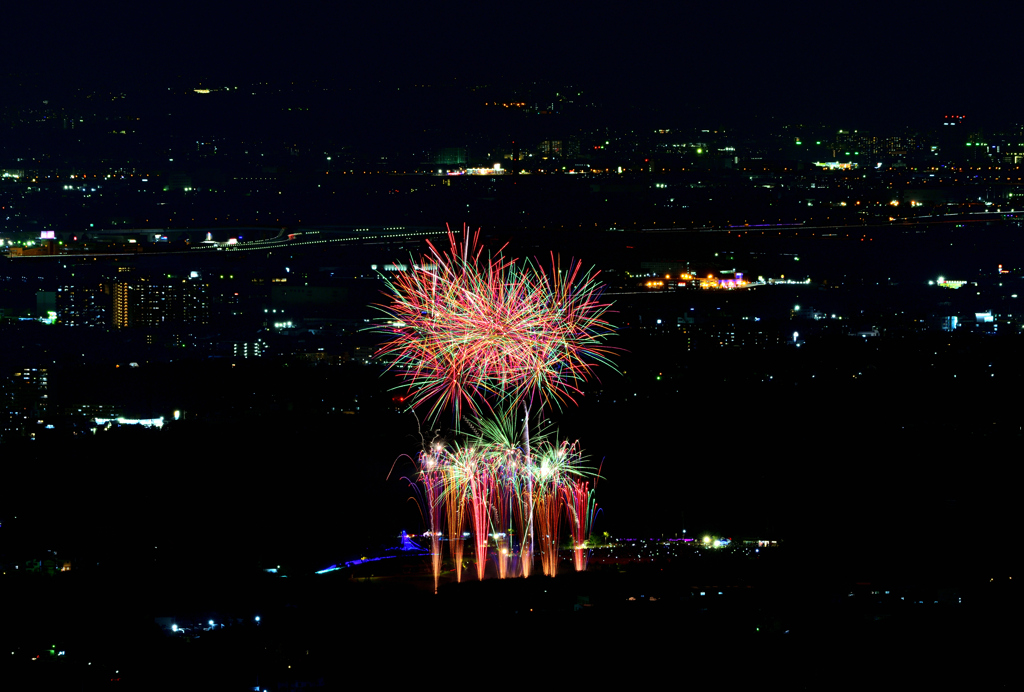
point(876, 65)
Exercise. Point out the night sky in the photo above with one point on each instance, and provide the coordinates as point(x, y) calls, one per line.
point(872, 62)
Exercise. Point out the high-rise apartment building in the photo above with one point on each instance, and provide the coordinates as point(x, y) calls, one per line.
point(25, 401)
point(83, 306)
point(144, 302)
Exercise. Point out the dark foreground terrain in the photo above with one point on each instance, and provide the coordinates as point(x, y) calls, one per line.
point(730, 618)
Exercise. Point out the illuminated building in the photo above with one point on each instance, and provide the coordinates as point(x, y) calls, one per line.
point(1014, 153)
point(248, 349)
point(738, 335)
point(122, 300)
point(92, 411)
point(665, 267)
point(82, 306)
point(550, 147)
point(952, 137)
point(711, 281)
point(496, 169)
point(836, 165)
point(26, 402)
point(145, 303)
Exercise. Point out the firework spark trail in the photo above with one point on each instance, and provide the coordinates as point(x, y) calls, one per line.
point(526, 554)
point(502, 434)
point(581, 506)
point(548, 504)
point(546, 477)
point(503, 469)
point(431, 476)
point(522, 513)
point(496, 438)
point(480, 496)
point(501, 523)
point(455, 510)
point(485, 479)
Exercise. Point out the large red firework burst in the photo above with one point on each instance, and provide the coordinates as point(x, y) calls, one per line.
point(473, 331)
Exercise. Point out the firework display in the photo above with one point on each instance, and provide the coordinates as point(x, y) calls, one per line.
point(433, 485)
point(497, 339)
point(581, 507)
point(481, 333)
point(487, 480)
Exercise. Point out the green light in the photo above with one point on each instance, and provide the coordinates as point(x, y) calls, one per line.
point(799, 142)
point(817, 142)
